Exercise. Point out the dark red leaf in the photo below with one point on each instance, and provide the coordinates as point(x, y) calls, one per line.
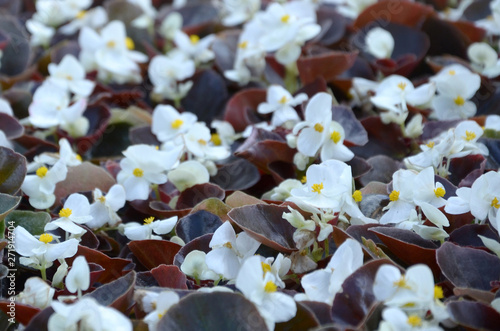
point(197, 224)
point(152, 253)
point(117, 294)
point(170, 276)
point(474, 315)
point(23, 313)
point(237, 175)
point(241, 109)
point(192, 196)
point(10, 126)
point(304, 319)
point(12, 170)
point(199, 244)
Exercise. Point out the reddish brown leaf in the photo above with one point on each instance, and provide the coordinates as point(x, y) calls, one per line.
point(327, 65)
point(241, 109)
point(23, 313)
point(170, 276)
point(152, 253)
point(117, 294)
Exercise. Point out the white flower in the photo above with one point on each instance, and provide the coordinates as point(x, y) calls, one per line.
point(401, 198)
point(104, 208)
point(69, 75)
point(40, 253)
point(279, 267)
point(379, 43)
point(239, 11)
point(168, 123)
point(466, 135)
point(455, 85)
point(491, 23)
point(66, 155)
point(144, 165)
point(40, 187)
point(351, 8)
point(41, 35)
point(161, 303)
point(280, 102)
point(484, 59)
point(51, 107)
point(170, 25)
point(78, 278)
point(87, 314)
point(110, 52)
point(5, 107)
point(165, 73)
point(229, 251)
point(283, 190)
point(318, 115)
point(194, 265)
point(225, 134)
point(136, 231)
point(146, 20)
point(76, 209)
point(260, 287)
point(193, 47)
point(93, 18)
point(36, 293)
point(188, 174)
point(333, 147)
point(197, 142)
point(323, 284)
point(397, 319)
point(492, 122)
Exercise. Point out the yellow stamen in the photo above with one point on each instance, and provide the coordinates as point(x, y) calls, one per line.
point(357, 196)
point(270, 287)
point(138, 172)
point(401, 283)
point(459, 101)
point(452, 72)
point(194, 39)
point(495, 203)
point(160, 316)
point(102, 199)
point(149, 220)
point(78, 157)
point(402, 86)
point(177, 123)
point(46, 238)
point(318, 127)
point(414, 321)
point(228, 245)
point(111, 44)
point(430, 144)
point(129, 43)
point(202, 142)
point(394, 196)
point(409, 305)
point(216, 139)
point(69, 77)
point(469, 135)
point(157, 147)
point(283, 100)
point(266, 267)
point(438, 292)
point(285, 18)
point(439, 192)
point(243, 44)
point(335, 136)
point(317, 187)
point(65, 212)
point(303, 180)
point(42, 172)
point(81, 14)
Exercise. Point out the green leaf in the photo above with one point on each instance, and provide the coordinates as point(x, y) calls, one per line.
point(12, 170)
point(33, 222)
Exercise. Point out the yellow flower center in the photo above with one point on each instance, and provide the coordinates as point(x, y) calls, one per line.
point(243, 44)
point(138, 172)
point(401, 283)
point(177, 123)
point(129, 43)
point(228, 245)
point(438, 292)
point(459, 101)
point(495, 203)
point(65, 212)
point(102, 199)
point(283, 100)
point(335, 136)
point(451, 72)
point(318, 127)
point(69, 77)
point(270, 287)
point(194, 39)
point(202, 142)
point(317, 187)
point(111, 44)
point(46, 238)
point(357, 196)
point(265, 267)
point(303, 180)
point(160, 316)
point(42, 172)
point(394, 196)
point(402, 86)
point(285, 18)
point(78, 157)
point(216, 139)
point(430, 144)
point(439, 192)
point(469, 135)
point(81, 14)
point(414, 321)
point(149, 220)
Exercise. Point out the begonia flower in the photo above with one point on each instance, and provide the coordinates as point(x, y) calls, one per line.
point(379, 43)
point(76, 209)
point(103, 209)
point(69, 75)
point(78, 278)
point(136, 231)
point(280, 103)
point(40, 186)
